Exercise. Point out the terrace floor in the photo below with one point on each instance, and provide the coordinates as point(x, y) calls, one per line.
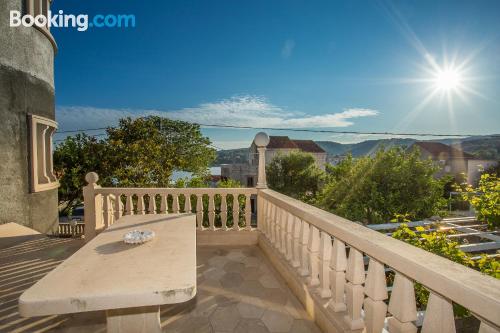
point(238, 291)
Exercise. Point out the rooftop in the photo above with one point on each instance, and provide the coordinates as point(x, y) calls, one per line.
point(439, 150)
point(284, 142)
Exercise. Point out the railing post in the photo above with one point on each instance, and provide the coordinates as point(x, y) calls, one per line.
point(261, 141)
point(92, 206)
point(402, 306)
point(376, 292)
point(355, 277)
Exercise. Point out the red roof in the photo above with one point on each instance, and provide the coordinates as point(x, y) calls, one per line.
point(308, 146)
point(442, 151)
point(284, 142)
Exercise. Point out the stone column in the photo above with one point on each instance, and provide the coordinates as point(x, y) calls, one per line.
point(261, 141)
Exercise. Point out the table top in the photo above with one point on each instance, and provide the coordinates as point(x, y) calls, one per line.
point(107, 274)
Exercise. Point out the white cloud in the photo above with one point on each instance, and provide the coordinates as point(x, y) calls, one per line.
point(251, 111)
point(287, 49)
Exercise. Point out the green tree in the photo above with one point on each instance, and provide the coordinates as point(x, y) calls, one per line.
point(141, 152)
point(375, 189)
point(438, 243)
point(146, 151)
point(296, 175)
point(485, 199)
point(73, 159)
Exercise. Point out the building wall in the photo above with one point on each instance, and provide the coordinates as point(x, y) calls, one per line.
point(272, 153)
point(26, 87)
point(241, 173)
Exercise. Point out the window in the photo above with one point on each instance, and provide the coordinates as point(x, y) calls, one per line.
point(250, 181)
point(42, 175)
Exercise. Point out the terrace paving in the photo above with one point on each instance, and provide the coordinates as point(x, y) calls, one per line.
point(238, 291)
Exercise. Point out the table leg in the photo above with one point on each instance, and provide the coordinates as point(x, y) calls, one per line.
point(134, 320)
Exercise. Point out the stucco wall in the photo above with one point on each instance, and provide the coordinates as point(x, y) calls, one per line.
point(26, 86)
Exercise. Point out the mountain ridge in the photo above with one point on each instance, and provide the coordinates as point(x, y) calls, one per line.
point(483, 147)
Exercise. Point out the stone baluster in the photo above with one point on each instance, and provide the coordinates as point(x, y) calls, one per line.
point(152, 204)
point(129, 205)
point(118, 207)
point(376, 292)
point(187, 203)
point(439, 316)
point(248, 212)
point(402, 306)
point(211, 212)
point(199, 211)
point(313, 247)
point(304, 253)
point(93, 206)
point(325, 254)
point(262, 207)
point(106, 210)
point(164, 204)
point(269, 219)
point(283, 223)
point(272, 220)
point(141, 209)
point(175, 203)
point(236, 212)
point(277, 228)
point(289, 236)
point(355, 276)
point(338, 265)
point(223, 211)
point(296, 242)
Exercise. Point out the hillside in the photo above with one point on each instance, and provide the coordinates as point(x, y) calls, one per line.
point(231, 156)
point(483, 147)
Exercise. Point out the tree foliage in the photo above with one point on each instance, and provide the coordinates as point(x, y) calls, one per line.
point(146, 151)
point(438, 243)
point(295, 174)
point(73, 159)
point(485, 199)
point(142, 152)
point(375, 189)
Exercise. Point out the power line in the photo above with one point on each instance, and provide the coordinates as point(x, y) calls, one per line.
point(303, 130)
point(103, 134)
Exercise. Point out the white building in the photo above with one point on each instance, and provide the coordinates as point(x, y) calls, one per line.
point(246, 173)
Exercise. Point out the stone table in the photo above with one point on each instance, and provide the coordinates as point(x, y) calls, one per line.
point(130, 282)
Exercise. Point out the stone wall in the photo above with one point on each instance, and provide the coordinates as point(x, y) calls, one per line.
point(26, 87)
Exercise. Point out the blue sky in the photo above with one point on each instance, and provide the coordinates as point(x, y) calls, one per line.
point(342, 65)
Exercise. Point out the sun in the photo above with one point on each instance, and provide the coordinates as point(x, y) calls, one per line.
point(447, 79)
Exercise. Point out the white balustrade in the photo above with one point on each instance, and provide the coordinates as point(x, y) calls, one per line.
point(314, 244)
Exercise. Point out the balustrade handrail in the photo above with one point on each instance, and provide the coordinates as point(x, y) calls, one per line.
point(174, 190)
point(476, 291)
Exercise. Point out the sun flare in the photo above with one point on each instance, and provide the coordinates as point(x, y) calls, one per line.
point(447, 79)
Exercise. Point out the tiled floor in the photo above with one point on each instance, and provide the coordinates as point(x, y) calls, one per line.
point(238, 291)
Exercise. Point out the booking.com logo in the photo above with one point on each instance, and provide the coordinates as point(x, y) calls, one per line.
point(81, 22)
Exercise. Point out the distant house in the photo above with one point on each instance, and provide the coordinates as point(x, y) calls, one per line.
point(246, 173)
point(453, 161)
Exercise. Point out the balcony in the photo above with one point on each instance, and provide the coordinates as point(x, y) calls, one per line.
point(267, 262)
